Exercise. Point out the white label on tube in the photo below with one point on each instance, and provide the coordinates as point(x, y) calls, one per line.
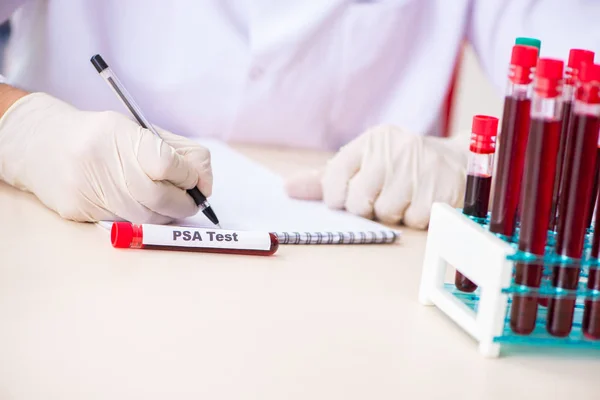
point(165, 235)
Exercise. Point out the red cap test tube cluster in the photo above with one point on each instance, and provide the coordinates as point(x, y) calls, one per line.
point(587, 120)
point(545, 188)
point(577, 57)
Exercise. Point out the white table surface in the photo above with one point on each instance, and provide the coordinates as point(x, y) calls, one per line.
point(81, 320)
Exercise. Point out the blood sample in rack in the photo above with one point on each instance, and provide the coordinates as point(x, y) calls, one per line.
point(592, 204)
point(576, 58)
point(479, 178)
point(512, 141)
point(573, 215)
point(579, 169)
point(571, 73)
point(590, 325)
point(538, 179)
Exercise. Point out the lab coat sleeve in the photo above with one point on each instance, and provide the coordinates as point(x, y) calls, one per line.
point(559, 24)
point(8, 7)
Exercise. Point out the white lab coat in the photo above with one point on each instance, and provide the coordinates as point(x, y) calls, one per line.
point(308, 73)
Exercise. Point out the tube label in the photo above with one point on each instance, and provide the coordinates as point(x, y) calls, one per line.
point(165, 235)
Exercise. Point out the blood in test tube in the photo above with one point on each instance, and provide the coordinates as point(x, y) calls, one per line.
point(576, 58)
point(579, 169)
point(592, 206)
point(574, 210)
point(590, 325)
point(595, 189)
point(512, 141)
point(533, 42)
point(591, 313)
point(479, 178)
point(167, 237)
point(538, 180)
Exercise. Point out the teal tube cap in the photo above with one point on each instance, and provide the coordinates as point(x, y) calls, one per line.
point(526, 41)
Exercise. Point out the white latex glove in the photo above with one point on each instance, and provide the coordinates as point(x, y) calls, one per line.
point(390, 175)
point(90, 166)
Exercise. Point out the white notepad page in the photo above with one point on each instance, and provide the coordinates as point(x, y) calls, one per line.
point(247, 196)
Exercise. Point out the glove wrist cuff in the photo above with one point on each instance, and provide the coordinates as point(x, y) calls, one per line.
point(17, 125)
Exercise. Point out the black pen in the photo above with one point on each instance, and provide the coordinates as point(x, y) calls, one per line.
point(110, 77)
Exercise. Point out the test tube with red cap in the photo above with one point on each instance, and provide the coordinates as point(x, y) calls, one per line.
point(591, 312)
point(579, 170)
point(479, 178)
point(513, 140)
point(179, 238)
point(576, 58)
point(592, 204)
point(536, 196)
point(577, 188)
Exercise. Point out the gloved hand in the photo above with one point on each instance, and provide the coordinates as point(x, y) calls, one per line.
point(391, 175)
point(90, 166)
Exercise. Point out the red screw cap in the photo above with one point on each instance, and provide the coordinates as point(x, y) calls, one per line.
point(121, 234)
point(588, 88)
point(485, 125)
point(483, 134)
point(523, 59)
point(589, 72)
point(550, 68)
point(577, 57)
point(549, 76)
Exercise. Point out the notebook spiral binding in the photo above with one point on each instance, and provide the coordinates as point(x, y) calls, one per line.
point(368, 237)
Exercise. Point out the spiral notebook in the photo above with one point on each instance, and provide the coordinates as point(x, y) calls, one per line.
point(248, 196)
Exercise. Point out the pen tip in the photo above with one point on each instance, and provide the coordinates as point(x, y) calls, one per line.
point(219, 226)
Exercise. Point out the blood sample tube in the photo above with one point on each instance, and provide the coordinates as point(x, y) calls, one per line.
point(595, 188)
point(479, 178)
point(512, 141)
point(538, 178)
point(579, 169)
point(167, 237)
point(591, 311)
point(576, 58)
point(592, 206)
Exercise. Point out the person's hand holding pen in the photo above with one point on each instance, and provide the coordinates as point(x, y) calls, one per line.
point(91, 166)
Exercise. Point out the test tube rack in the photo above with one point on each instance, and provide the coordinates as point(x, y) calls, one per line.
point(488, 260)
